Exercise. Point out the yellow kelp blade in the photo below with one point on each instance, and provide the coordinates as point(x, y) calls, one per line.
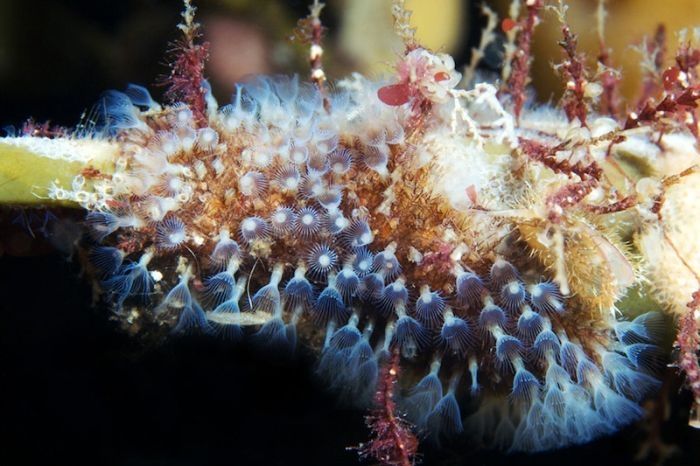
point(29, 166)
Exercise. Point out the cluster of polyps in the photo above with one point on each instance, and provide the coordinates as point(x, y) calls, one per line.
point(285, 220)
point(413, 218)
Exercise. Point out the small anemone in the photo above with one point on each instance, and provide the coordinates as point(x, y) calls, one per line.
point(545, 297)
point(423, 397)
point(371, 288)
point(207, 138)
point(223, 319)
point(330, 306)
point(410, 336)
point(530, 324)
point(508, 348)
point(171, 233)
point(254, 228)
point(140, 97)
point(101, 224)
point(219, 288)
point(298, 154)
point(546, 343)
point(456, 335)
point(470, 290)
point(329, 197)
point(309, 222)
point(107, 260)
point(429, 307)
point(386, 264)
point(363, 261)
point(376, 158)
point(298, 292)
point(525, 386)
point(340, 161)
point(502, 272)
point(394, 294)
point(321, 260)
point(288, 178)
point(181, 116)
point(119, 113)
point(337, 223)
point(224, 251)
point(347, 282)
point(192, 319)
point(357, 234)
point(317, 165)
point(512, 296)
point(252, 184)
point(283, 220)
point(491, 316)
point(326, 142)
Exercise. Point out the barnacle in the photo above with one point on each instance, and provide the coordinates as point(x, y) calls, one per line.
point(449, 249)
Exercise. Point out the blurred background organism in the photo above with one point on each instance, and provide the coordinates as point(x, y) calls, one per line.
point(50, 49)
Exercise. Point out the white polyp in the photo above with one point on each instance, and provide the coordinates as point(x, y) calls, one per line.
point(184, 116)
point(249, 225)
point(208, 137)
point(262, 158)
point(291, 183)
point(177, 237)
point(341, 223)
point(246, 184)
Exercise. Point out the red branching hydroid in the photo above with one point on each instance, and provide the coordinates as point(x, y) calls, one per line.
point(688, 343)
point(186, 81)
point(609, 78)
point(392, 443)
point(680, 91)
point(520, 73)
point(310, 31)
point(654, 57)
point(574, 73)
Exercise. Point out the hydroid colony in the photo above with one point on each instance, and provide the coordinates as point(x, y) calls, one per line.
point(455, 255)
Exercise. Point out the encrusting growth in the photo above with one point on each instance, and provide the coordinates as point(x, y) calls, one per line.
point(456, 254)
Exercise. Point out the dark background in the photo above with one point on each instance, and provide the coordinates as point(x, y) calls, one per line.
point(74, 389)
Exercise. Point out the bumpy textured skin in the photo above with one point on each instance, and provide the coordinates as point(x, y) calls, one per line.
point(408, 217)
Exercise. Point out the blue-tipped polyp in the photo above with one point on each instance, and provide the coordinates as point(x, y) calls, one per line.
point(456, 334)
point(410, 336)
point(429, 307)
point(363, 261)
point(347, 282)
point(546, 297)
point(106, 260)
point(254, 228)
point(470, 290)
point(170, 233)
point(101, 224)
point(321, 260)
point(357, 234)
point(386, 263)
point(330, 306)
point(283, 220)
point(309, 222)
point(224, 251)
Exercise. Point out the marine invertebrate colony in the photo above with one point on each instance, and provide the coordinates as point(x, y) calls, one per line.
point(455, 254)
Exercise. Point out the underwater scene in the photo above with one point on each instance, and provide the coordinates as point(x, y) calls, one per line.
point(382, 232)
